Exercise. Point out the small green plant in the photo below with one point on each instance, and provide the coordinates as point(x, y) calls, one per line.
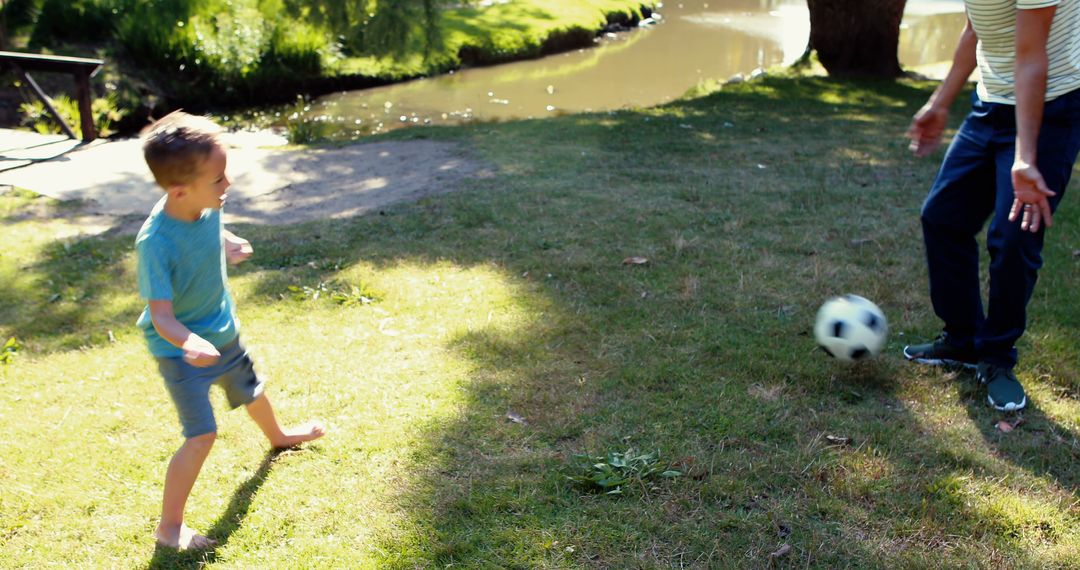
point(353, 296)
point(307, 130)
point(305, 292)
point(104, 110)
point(343, 294)
point(10, 350)
point(609, 474)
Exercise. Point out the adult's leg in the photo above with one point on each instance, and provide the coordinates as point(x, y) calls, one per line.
point(955, 210)
point(1015, 254)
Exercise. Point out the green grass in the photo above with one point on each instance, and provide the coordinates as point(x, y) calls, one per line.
point(753, 205)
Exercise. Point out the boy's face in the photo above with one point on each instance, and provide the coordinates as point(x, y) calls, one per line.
point(207, 190)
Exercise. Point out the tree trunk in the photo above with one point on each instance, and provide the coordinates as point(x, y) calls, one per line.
point(857, 37)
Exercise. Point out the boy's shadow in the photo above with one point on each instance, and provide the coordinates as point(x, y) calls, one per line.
point(226, 525)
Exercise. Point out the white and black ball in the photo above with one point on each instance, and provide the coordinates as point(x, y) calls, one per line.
point(851, 328)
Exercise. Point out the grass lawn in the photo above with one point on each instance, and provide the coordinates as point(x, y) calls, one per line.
point(510, 299)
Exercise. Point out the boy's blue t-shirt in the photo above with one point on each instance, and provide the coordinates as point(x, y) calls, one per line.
point(184, 262)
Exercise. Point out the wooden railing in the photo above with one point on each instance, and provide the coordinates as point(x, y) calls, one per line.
point(81, 68)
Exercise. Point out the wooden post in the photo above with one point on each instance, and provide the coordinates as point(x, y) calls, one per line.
point(86, 115)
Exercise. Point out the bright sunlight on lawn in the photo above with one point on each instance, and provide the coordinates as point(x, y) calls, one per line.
point(465, 348)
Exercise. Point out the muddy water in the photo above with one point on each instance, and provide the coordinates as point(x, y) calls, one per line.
point(691, 41)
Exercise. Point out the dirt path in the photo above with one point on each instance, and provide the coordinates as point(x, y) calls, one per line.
point(271, 184)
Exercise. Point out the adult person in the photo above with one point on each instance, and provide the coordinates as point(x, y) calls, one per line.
point(1010, 162)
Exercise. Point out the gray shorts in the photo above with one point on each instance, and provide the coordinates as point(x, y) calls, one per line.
point(189, 386)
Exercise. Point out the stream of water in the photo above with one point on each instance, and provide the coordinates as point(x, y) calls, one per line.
point(687, 42)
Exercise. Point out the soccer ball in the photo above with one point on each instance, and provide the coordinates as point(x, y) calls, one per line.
point(850, 328)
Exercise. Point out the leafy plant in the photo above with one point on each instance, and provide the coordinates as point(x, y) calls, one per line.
point(343, 294)
point(104, 110)
point(353, 296)
point(10, 350)
point(307, 130)
point(75, 20)
point(394, 24)
point(609, 474)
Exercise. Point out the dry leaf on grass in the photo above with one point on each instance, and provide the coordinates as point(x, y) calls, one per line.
point(782, 551)
point(768, 393)
point(1005, 426)
point(637, 260)
point(838, 440)
point(688, 465)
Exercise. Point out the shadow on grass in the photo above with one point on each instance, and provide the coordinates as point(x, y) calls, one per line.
point(703, 354)
point(1040, 445)
point(229, 522)
point(79, 289)
point(64, 302)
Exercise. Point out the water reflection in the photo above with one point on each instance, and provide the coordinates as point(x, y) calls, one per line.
point(928, 34)
point(696, 40)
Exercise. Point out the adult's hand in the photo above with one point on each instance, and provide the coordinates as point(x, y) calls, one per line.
point(1030, 205)
point(926, 129)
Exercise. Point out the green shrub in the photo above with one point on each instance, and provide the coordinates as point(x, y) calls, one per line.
point(215, 51)
point(307, 130)
point(231, 41)
point(76, 20)
point(157, 36)
point(17, 16)
point(298, 48)
point(104, 109)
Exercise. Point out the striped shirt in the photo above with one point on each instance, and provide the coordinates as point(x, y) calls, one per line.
point(994, 22)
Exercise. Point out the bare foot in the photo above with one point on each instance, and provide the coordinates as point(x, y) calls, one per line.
point(182, 538)
point(293, 437)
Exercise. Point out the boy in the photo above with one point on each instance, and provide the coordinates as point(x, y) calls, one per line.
point(1010, 162)
point(190, 322)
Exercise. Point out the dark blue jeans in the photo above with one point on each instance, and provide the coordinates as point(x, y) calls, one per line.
point(975, 184)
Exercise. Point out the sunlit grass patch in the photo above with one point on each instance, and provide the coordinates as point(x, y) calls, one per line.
point(504, 333)
point(996, 506)
point(387, 375)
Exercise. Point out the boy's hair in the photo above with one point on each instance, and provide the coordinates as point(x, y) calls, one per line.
point(176, 144)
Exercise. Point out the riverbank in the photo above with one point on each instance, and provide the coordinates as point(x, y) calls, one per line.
point(494, 33)
point(242, 53)
point(631, 291)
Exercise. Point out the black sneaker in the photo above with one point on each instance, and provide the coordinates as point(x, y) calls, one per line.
point(940, 353)
point(1003, 390)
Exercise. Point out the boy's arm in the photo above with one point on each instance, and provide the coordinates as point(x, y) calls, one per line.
point(197, 350)
point(237, 249)
point(1031, 191)
point(929, 123)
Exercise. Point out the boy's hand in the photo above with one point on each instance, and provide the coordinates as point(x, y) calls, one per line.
point(237, 249)
point(199, 352)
